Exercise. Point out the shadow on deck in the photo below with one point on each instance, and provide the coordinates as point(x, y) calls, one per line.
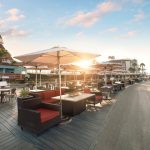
point(80, 134)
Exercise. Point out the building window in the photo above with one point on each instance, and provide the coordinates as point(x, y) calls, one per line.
point(1, 70)
point(4, 60)
point(9, 70)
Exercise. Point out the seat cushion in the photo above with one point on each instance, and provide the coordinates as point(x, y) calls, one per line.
point(49, 100)
point(87, 91)
point(57, 92)
point(98, 97)
point(51, 93)
point(47, 114)
point(46, 95)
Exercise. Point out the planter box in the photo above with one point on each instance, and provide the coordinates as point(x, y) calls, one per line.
point(21, 100)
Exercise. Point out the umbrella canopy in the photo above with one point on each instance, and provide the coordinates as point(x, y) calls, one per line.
point(71, 67)
point(107, 66)
point(56, 56)
point(74, 69)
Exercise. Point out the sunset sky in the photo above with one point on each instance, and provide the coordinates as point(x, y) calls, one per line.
point(119, 28)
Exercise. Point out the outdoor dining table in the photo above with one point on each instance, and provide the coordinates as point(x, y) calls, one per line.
point(132, 81)
point(2, 91)
point(120, 85)
point(115, 87)
point(96, 91)
point(106, 89)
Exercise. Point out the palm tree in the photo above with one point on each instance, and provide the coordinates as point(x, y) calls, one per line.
point(142, 65)
point(134, 64)
point(139, 69)
point(131, 69)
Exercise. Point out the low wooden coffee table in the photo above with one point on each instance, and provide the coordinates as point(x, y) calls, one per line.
point(74, 104)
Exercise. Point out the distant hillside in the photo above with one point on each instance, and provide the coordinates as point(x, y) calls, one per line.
point(5, 56)
point(4, 53)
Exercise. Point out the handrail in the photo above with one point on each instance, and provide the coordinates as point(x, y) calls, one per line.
point(12, 76)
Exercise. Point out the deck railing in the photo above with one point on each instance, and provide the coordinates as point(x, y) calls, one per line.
point(12, 76)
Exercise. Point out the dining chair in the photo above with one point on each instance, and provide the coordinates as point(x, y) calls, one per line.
point(97, 99)
point(12, 95)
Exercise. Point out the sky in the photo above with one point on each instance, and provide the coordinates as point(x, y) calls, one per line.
point(119, 28)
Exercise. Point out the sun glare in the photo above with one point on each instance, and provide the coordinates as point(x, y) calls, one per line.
point(83, 64)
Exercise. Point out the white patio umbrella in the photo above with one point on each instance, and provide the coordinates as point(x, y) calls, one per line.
point(56, 56)
point(73, 68)
point(107, 66)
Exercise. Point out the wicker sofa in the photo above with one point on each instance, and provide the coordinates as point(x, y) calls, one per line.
point(37, 116)
point(46, 96)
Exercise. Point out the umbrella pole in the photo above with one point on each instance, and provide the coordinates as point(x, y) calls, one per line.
point(59, 72)
point(65, 76)
point(63, 118)
point(36, 79)
point(40, 77)
point(84, 77)
point(105, 78)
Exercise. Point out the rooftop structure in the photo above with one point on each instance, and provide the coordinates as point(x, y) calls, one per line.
point(127, 63)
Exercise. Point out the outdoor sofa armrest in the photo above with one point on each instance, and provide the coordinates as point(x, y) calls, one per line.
point(97, 93)
point(50, 106)
point(35, 95)
point(29, 115)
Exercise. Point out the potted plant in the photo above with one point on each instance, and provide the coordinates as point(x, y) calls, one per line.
point(24, 93)
point(23, 96)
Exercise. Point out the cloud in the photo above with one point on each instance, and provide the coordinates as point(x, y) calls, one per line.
point(138, 17)
point(14, 14)
point(15, 32)
point(138, 1)
point(1, 5)
point(129, 34)
point(109, 30)
point(80, 34)
point(113, 29)
point(87, 19)
point(130, 1)
point(2, 24)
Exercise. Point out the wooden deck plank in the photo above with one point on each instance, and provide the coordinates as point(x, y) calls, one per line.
point(59, 140)
point(77, 135)
point(8, 141)
point(15, 130)
point(49, 142)
point(76, 144)
point(67, 140)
